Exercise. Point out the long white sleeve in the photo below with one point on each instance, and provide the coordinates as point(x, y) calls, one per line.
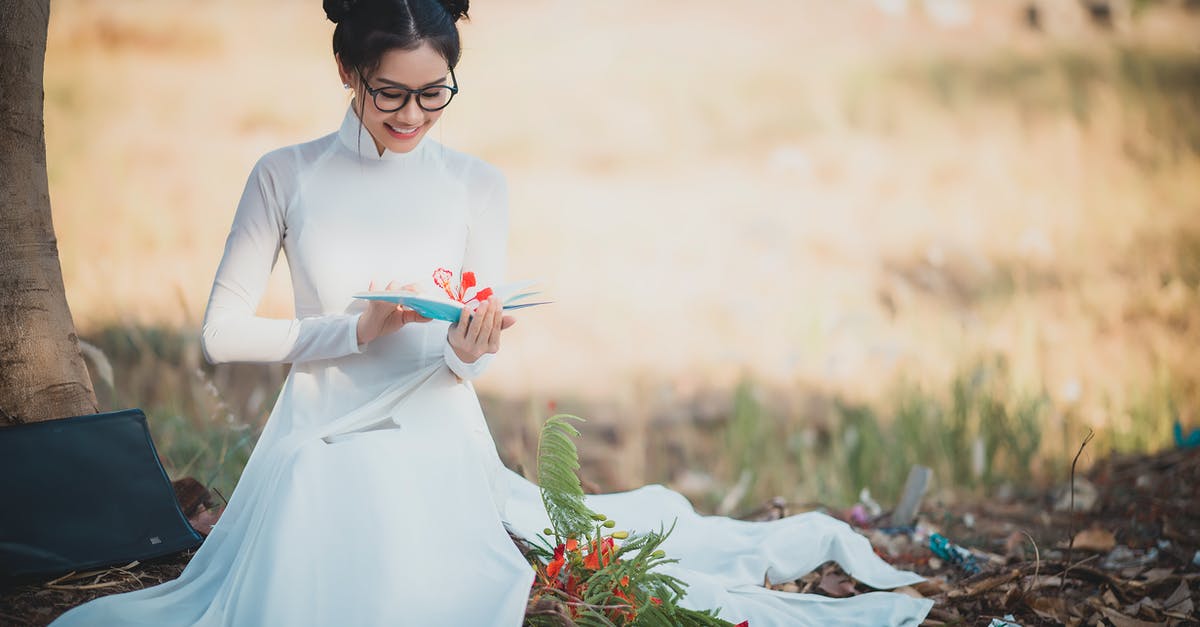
point(231, 330)
point(487, 250)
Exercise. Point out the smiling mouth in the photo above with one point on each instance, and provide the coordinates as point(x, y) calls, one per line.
point(402, 132)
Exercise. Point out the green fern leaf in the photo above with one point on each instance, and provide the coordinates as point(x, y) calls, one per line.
point(562, 493)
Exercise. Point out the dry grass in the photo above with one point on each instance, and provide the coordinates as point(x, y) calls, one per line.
point(819, 198)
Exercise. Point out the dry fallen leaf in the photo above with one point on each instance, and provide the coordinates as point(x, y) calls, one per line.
point(1014, 546)
point(1084, 499)
point(932, 586)
point(1180, 601)
point(836, 585)
point(1154, 575)
point(203, 520)
point(1146, 603)
point(983, 585)
point(1095, 539)
point(1050, 608)
point(1120, 620)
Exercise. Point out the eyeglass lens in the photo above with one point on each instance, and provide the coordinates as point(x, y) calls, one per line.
point(429, 99)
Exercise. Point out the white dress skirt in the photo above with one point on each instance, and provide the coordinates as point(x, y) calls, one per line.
point(375, 495)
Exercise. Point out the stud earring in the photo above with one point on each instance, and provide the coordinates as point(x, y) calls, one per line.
point(346, 85)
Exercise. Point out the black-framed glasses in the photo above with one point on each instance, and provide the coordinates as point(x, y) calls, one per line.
point(391, 98)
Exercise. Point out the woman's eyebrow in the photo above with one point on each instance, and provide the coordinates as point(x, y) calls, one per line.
point(396, 84)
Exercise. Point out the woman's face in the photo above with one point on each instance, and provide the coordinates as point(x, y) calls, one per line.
point(402, 130)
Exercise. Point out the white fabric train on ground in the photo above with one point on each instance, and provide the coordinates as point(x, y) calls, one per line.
point(375, 495)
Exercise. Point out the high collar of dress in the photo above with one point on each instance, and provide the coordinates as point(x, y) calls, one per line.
point(357, 139)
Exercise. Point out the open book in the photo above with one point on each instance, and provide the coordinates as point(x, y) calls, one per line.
point(450, 305)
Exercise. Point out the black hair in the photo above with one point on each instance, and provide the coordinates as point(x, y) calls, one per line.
point(366, 29)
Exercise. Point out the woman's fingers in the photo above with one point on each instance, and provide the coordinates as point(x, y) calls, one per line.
point(481, 325)
point(489, 334)
point(478, 332)
point(471, 327)
point(382, 317)
point(459, 329)
point(494, 328)
point(497, 326)
point(409, 315)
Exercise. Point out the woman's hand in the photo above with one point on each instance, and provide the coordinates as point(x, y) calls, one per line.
point(382, 317)
point(477, 333)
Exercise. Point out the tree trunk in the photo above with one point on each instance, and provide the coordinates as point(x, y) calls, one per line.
point(42, 374)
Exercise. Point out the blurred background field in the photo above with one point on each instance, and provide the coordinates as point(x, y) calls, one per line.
point(796, 246)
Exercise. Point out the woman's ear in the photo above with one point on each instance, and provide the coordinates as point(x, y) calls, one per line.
point(346, 75)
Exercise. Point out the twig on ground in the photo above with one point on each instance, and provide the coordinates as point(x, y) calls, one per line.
point(96, 575)
point(90, 586)
point(70, 575)
point(1071, 515)
point(1037, 564)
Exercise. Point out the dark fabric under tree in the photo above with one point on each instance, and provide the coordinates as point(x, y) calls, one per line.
point(82, 493)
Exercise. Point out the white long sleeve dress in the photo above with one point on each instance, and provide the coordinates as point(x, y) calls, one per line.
point(375, 495)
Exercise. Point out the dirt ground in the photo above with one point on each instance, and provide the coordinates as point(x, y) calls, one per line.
point(1124, 555)
point(1134, 559)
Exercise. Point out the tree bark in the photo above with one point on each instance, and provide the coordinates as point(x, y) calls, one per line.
point(42, 374)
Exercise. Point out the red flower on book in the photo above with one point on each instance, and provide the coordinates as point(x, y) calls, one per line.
point(443, 278)
point(482, 295)
point(468, 281)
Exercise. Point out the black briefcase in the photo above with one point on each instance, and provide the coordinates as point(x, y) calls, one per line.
point(82, 493)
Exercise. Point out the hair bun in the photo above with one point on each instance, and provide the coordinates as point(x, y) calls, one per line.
point(456, 8)
point(338, 10)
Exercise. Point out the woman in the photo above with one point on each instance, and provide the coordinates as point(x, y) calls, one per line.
point(375, 495)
